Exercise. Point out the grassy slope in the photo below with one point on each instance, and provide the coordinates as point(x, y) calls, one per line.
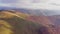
point(22, 26)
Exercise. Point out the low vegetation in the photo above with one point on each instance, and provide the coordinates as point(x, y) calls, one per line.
point(14, 23)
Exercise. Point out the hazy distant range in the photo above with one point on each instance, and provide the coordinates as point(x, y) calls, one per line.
point(36, 12)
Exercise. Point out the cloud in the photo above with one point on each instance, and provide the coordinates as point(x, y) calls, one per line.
point(8, 1)
point(40, 4)
point(43, 4)
point(7, 5)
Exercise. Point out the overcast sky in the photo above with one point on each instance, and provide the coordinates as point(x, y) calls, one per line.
point(32, 4)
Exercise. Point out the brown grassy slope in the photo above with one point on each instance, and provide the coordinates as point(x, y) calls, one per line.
point(56, 20)
point(23, 26)
point(9, 14)
point(45, 20)
point(5, 27)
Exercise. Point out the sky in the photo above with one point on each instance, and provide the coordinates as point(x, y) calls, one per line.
point(32, 4)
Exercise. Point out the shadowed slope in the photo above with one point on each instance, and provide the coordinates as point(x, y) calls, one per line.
point(49, 23)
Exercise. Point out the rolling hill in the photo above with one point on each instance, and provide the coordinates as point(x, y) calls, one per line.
point(15, 22)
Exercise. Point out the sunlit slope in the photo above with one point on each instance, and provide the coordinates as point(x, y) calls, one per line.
point(9, 14)
point(5, 27)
